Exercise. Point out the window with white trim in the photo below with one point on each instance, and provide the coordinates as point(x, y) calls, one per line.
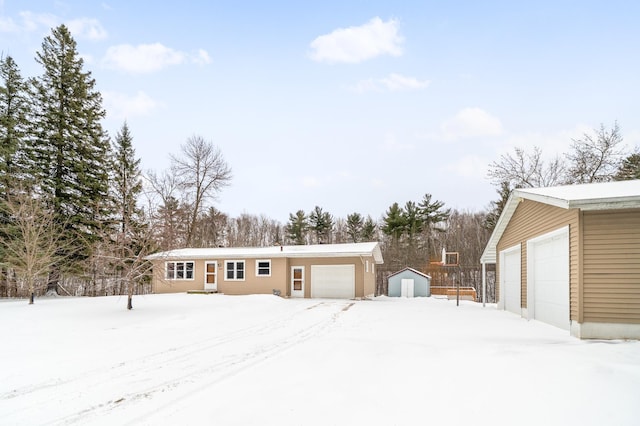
point(179, 270)
point(234, 270)
point(263, 268)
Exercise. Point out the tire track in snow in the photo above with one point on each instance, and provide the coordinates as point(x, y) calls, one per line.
point(191, 367)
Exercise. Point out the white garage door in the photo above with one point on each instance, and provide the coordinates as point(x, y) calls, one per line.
point(333, 281)
point(548, 278)
point(510, 285)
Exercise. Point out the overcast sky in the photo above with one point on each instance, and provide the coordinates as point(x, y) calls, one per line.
point(349, 105)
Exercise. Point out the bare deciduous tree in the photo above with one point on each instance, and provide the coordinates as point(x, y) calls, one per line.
point(36, 243)
point(202, 172)
point(527, 169)
point(596, 157)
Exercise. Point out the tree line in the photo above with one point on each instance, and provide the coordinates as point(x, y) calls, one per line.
point(78, 215)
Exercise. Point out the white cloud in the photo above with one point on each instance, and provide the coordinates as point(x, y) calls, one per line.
point(201, 57)
point(393, 83)
point(357, 44)
point(34, 21)
point(82, 28)
point(120, 105)
point(87, 28)
point(471, 122)
point(146, 58)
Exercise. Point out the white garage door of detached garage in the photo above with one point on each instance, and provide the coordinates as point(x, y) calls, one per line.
point(333, 281)
point(548, 278)
point(510, 280)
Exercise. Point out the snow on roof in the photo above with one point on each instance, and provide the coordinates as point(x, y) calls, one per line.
point(589, 196)
point(593, 196)
point(317, 250)
point(412, 270)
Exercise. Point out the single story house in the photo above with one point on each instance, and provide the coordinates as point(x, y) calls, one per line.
point(343, 271)
point(409, 282)
point(570, 256)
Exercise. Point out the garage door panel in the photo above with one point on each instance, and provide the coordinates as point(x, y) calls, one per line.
point(333, 281)
point(511, 281)
point(549, 278)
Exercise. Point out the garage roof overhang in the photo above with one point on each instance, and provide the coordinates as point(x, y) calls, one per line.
point(593, 196)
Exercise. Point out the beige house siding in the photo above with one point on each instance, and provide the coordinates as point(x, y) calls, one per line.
point(280, 278)
point(532, 219)
point(611, 246)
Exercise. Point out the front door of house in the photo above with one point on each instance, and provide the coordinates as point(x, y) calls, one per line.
point(211, 276)
point(297, 281)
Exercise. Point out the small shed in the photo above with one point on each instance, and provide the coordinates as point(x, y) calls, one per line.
point(409, 283)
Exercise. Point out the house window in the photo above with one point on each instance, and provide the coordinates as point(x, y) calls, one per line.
point(263, 268)
point(234, 270)
point(179, 270)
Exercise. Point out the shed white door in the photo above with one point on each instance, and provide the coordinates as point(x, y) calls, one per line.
point(510, 280)
point(333, 281)
point(548, 278)
point(406, 287)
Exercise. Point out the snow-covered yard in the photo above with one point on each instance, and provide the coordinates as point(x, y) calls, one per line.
point(261, 360)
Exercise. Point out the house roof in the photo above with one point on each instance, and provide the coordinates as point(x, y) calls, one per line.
point(317, 250)
point(590, 196)
point(415, 271)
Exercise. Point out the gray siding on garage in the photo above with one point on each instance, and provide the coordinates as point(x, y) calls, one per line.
point(421, 282)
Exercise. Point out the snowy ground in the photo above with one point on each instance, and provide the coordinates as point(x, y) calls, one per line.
point(262, 360)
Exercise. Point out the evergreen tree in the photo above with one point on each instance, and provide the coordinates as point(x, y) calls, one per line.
point(369, 230)
point(127, 182)
point(394, 222)
point(14, 112)
point(321, 223)
point(630, 168)
point(297, 227)
point(492, 217)
point(70, 149)
point(354, 227)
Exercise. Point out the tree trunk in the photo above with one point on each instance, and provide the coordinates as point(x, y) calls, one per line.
point(32, 297)
point(52, 282)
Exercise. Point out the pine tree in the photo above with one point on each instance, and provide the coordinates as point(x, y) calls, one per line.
point(297, 227)
point(321, 223)
point(630, 168)
point(70, 148)
point(369, 230)
point(354, 227)
point(14, 112)
point(127, 182)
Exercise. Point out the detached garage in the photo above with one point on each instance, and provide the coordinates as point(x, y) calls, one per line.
point(569, 256)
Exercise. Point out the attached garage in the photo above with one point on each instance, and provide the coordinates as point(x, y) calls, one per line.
point(333, 281)
point(548, 278)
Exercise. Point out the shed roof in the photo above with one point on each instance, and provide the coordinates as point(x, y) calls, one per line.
point(412, 270)
point(317, 250)
point(589, 196)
